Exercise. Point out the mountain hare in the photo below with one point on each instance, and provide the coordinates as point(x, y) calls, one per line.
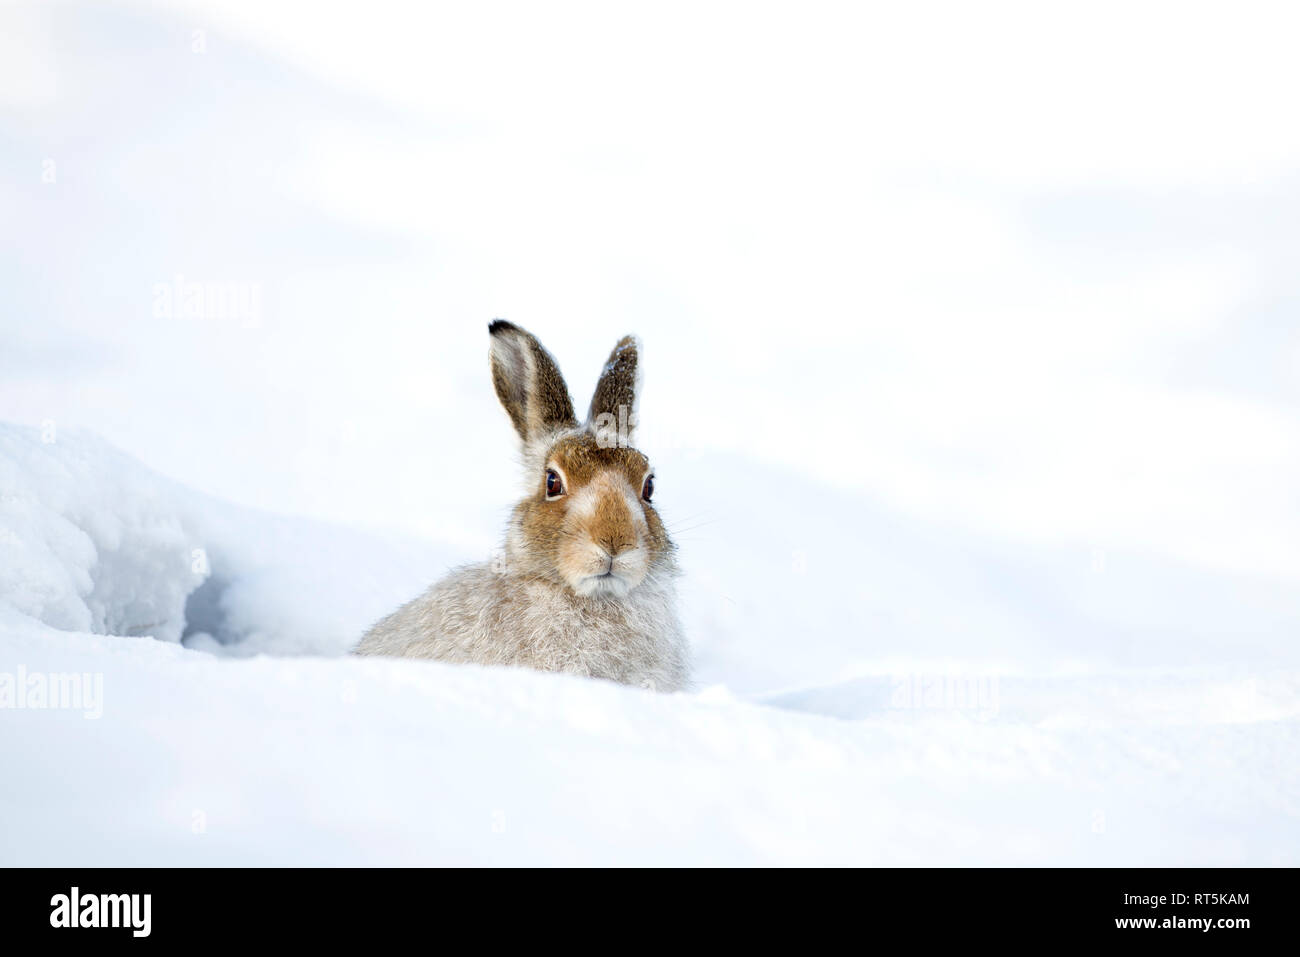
point(585, 585)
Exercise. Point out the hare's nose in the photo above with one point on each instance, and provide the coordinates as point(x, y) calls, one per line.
point(615, 546)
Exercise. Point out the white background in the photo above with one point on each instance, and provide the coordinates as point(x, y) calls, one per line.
point(1028, 271)
point(971, 350)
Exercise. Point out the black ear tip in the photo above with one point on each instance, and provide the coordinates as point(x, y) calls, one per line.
point(498, 326)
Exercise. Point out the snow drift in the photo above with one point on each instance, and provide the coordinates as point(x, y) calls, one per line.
point(93, 542)
point(926, 739)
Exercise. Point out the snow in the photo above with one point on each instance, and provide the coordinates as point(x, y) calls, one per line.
point(978, 435)
point(94, 542)
point(201, 754)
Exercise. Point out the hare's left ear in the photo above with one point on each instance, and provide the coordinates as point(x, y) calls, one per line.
point(613, 412)
point(528, 383)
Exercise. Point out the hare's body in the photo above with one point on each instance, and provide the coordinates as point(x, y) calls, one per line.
point(585, 585)
point(479, 614)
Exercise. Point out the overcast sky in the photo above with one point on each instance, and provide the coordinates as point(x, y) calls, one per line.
point(1025, 271)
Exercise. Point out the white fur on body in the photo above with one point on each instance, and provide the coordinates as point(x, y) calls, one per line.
point(477, 614)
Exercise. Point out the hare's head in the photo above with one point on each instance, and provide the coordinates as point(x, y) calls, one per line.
point(587, 520)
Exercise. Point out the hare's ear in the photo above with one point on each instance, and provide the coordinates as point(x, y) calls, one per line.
point(613, 411)
point(528, 382)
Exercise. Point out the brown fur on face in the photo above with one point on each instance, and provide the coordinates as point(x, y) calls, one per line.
point(600, 537)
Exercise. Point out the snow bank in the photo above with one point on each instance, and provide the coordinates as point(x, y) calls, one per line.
point(91, 541)
point(201, 760)
point(892, 712)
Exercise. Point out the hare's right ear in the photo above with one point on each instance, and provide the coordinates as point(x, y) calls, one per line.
point(528, 382)
point(613, 412)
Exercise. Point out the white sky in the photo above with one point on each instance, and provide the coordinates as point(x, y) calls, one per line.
point(1029, 269)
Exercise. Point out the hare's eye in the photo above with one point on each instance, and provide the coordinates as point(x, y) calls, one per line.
point(649, 488)
point(554, 486)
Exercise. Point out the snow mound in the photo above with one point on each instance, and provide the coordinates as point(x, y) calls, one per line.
point(349, 761)
point(92, 541)
point(1007, 726)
